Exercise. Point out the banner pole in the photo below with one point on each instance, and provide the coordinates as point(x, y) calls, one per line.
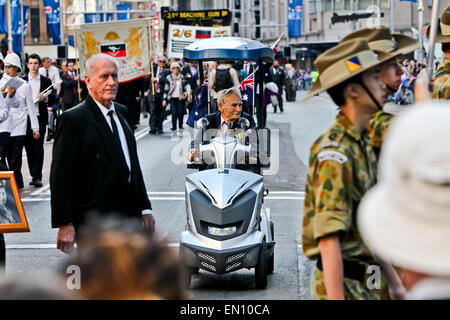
point(432, 37)
point(151, 55)
point(77, 62)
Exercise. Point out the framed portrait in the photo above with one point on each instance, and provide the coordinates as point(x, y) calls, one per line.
point(12, 214)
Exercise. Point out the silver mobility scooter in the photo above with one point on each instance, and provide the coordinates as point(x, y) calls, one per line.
point(227, 225)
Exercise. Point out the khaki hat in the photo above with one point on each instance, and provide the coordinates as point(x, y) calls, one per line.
point(382, 42)
point(443, 33)
point(405, 218)
point(12, 59)
point(342, 62)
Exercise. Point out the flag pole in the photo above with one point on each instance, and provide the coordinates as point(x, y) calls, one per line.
point(432, 37)
point(151, 55)
point(77, 62)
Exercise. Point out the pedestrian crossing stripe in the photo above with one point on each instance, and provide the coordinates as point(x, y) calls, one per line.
point(353, 64)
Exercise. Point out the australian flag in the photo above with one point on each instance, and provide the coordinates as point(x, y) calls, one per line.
point(200, 108)
point(247, 88)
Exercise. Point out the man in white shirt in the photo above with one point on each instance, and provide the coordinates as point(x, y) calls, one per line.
point(35, 147)
point(21, 107)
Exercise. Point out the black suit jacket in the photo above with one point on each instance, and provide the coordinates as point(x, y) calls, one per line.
point(279, 77)
point(87, 172)
point(69, 90)
point(43, 112)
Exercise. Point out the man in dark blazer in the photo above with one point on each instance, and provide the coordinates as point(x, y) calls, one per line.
point(156, 102)
point(278, 76)
point(35, 147)
point(225, 122)
point(95, 165)
point(69, 87)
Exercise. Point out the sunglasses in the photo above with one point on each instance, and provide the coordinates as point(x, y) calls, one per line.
point(161, 60)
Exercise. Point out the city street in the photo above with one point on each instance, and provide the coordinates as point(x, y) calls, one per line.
point(162, 162)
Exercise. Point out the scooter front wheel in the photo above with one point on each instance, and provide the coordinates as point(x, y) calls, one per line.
point(261, 268)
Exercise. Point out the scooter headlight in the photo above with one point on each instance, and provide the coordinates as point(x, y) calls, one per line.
point(222, 232)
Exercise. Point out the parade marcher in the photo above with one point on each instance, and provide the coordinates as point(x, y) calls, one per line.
point(441, 86)
point(278, 76)
point(4, 140)
point(21, 107)
point(190, 73)
point(5, 125)
point(224, 76)
point(389, 48)
point(156, 103)
point(176, 91)
point(52, 73)
point(95, 165)
point(35, 147)
point(69, 87)
point(405, 218)
point(291, 83)
point(342, 167)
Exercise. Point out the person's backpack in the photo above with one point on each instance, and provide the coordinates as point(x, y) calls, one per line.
point(223, 80)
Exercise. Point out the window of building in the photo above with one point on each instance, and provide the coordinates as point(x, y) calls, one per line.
point(35, 23)
point(341, 5)
point(364, 4)
point(312, 6)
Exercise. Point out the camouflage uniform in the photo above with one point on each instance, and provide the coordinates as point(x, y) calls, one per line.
point(442, 81)
point(342, 167)
point(377, 129)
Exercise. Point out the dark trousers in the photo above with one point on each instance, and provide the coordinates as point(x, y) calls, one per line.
point(156, 113)
point(213, 106)
point(177, 112)
point(4, 143)
point(2, 253)
point(280, 102)
point(15, 158)
point(35, 149)
point(261, 117)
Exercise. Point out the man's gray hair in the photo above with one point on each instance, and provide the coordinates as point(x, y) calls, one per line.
point(221, 95)
point(93, 59)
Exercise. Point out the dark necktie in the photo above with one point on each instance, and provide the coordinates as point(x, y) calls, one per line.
point(46, 73)
point(116, 135)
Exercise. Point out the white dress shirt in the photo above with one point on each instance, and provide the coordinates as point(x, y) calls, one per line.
point(35, 84)
point(123, 140)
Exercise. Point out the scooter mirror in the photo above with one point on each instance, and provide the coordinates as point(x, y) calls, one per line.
point(244, 123)
point(202, 123)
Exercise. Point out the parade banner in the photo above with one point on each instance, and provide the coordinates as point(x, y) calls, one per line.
point(51, 9)
point(3, 26)
point(181, 36)
point(295, 18)
point(125, 41)
point(17, 24)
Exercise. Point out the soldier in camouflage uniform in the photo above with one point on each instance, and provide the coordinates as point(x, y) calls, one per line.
point(389, 48)
point(342, 167)
point(441, 76)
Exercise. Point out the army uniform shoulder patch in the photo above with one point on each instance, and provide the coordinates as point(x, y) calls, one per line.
point(332, 155)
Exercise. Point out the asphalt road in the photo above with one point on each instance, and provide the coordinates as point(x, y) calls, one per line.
point(162, 161)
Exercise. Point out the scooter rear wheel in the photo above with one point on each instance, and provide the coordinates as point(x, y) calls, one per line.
point(261, 268)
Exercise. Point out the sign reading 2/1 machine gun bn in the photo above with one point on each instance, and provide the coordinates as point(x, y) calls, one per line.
point(181, 36)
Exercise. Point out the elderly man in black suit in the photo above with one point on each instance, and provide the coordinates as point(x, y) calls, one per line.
point(35, 147)
point(95, 165)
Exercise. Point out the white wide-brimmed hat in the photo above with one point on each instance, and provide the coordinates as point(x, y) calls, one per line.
point(405, 218)
point(12, 59)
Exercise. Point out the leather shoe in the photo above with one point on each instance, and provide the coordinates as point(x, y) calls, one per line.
point(38, 183)
point(160, 131)
point(152, 132)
